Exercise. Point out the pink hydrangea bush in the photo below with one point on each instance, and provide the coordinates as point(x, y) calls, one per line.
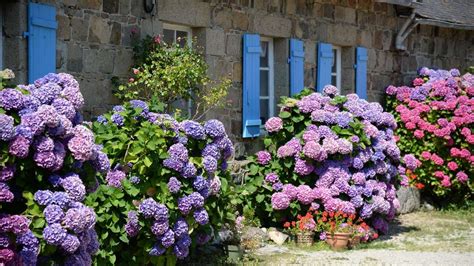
point(326, 152)
point(435, 118)
point(48, 163)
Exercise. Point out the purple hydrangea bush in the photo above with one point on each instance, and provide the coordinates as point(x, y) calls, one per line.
point(326, 152)
point(48, 164)
point(164, 192)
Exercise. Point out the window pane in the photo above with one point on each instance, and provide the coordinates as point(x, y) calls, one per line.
point(264, 54)
point(168, 36)
point(264, 110)
point(263, 82)
point(181, 38)
point(334, 60)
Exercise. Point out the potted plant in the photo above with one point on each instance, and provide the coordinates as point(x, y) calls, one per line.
point(337, 228)
point(303, 229)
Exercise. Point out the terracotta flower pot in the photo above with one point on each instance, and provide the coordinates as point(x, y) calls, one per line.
point(305, 239)
point(338, 241)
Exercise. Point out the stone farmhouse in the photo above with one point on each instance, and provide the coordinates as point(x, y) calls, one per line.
point(268, 48)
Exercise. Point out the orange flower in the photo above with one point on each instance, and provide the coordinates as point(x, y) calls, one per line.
point(325, 219)
point(344, 215)
point(352, 217)
point(299, 216)
point(325, 213)
point(331, 214)
point(419, 186)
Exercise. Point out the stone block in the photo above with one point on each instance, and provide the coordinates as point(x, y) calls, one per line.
point(343, 35)
point(310, 52)
point(234, 45)
point(372, 54)
point(99, 30)
point(151, 26)
point(273, 26)
point(218, 67)
point(409, 199)
point(328, 11)
point(237, 72)
point(234, 98)
point(387, 40)
point(97, 92)
point(345, 14)
point(111, 6)
point(427, 46)
point(123, 62)
point(222, 18)
point(197, 14)
point(64, 28)
point(290, 7)
point(79, 28)
point(73, 11)
point(89, 4)
point(70, 2)
point(422, 61)
point(124, 7)
point(364, 38)
point(116, 34)
point(99, 61)
point(74, 57)
point(127, 33)
point(377, 41)
point(240, 21)
point(61, 56)
point(137, 10)
point(309, 77)
point(281, 49)
point(14, 21)
point(215, 42)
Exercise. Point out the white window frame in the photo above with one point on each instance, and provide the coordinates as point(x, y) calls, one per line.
point(174, 27)
point(337, 61)
point(271, 78)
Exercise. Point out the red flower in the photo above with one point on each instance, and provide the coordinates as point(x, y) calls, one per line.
point(375, 236)
point(286, 225)
point(293, 223)
point(419, 186)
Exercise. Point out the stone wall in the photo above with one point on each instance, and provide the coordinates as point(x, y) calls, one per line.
point(94, 43)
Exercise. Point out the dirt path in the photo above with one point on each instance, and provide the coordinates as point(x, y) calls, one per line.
point(422, 238)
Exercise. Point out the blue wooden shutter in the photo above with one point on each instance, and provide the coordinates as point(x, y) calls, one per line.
point(41, 34)
point(251, 86)
point(325, 59)
point(361, 72)
point(296, 66)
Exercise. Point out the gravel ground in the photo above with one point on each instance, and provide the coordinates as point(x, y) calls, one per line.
point(366, 257)
point(422, 238)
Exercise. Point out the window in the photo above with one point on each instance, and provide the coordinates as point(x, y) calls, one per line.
point(182, 36)
point(336, 67)
point(266, 79)
point(177, 34)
